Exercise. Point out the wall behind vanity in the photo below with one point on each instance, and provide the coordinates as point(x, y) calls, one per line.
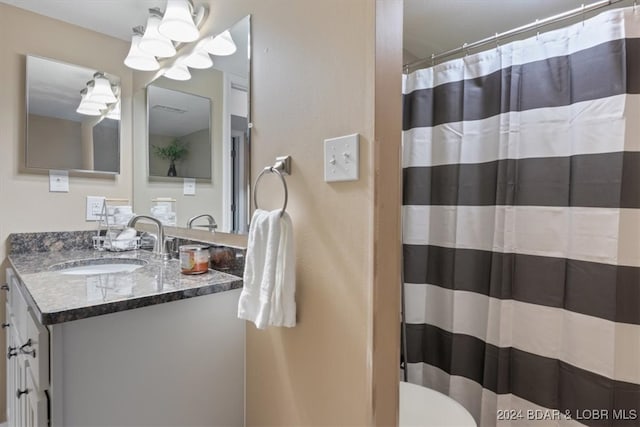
point(25, 201)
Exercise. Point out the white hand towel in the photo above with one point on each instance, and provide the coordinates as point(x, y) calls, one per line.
point(283, 309)
point(268, 295)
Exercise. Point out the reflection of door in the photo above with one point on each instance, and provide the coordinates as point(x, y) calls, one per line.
point(239, 208)
point(236, 144)
point(235, 182)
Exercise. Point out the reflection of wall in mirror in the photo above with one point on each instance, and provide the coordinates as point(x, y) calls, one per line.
point(57, 144)
point(195, 164)
point(54, 143)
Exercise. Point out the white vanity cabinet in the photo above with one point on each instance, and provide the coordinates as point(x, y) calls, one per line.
point(178, 363)
point(27, 361)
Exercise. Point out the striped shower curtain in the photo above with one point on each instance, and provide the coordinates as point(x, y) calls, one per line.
point(521, 227)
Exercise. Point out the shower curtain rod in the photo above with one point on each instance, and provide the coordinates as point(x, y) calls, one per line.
point(538, 23)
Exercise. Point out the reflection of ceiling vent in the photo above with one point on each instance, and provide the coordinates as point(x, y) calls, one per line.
point(168, 109)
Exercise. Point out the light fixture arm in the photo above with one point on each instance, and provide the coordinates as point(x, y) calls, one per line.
point(155, 11)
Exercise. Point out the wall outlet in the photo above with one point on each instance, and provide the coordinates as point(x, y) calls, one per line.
point(94, 207)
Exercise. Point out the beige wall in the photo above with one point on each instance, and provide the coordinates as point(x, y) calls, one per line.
point(26, 204)
point(314, 77)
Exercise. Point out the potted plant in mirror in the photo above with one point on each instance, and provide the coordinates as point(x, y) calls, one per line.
point(176, 150)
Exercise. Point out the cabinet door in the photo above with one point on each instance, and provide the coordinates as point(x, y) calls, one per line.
point(34, 403)
point(14, 380)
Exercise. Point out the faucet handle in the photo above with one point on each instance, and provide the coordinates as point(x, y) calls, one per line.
point(147, 240)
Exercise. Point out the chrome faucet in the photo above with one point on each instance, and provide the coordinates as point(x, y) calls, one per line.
point(159, 245)
point(212, 222)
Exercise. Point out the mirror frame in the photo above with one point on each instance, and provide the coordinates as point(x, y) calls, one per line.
point(25, 168)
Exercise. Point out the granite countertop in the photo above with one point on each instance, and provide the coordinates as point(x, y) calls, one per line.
point(61, 298)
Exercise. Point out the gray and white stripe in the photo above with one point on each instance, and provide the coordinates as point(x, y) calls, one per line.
point(521, 224)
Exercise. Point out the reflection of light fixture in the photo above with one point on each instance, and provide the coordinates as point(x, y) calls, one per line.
point(137, 58)
point(177, 22)
point(152, 41)
point(102, 91)
point(220, 45)
point(89, 107)
point(114, 113)
point(178, 72)
point(199, 58)
point(99, 96)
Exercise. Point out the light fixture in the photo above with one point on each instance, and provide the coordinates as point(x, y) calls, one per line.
point(220, 45)
point(137, 58)
point(179, 71)
point(199, 58)
point(177, 22)
point(169, 32)
point(152, 41)
point(99, 96)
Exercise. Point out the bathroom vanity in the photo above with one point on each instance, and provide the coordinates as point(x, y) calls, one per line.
point(142, 347)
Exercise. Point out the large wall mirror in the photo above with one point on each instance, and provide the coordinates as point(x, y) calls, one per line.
point(73, 118)
point(205, 121)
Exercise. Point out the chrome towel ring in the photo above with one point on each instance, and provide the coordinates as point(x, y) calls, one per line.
point(281, 168)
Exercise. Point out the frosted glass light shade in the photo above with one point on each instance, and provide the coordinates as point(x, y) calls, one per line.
point(102, 91)
point(178, 72)
point(115, 112)
point(88, 110)
point(138, 59)
point(177, 22)
point(153, 42)
point(220, 45)
point(88, 106)
point(198, 59)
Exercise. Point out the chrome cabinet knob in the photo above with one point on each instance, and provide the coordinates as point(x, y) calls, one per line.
point(24, 350)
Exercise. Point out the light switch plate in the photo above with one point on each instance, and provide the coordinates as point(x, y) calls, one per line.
point(58, 181)
point(342, 158)
point(189, 187)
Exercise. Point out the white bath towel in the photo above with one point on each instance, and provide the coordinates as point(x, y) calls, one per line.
point(268, 295)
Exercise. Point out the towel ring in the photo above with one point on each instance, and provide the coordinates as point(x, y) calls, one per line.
point(284, 184)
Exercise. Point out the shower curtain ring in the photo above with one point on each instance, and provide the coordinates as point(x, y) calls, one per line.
point(497, 43)
point(433, 59)
point(465, 48)
point(582, 7)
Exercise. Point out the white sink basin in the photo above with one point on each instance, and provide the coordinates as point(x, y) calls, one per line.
point(99, 266)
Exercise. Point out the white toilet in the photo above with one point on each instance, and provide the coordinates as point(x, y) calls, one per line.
point(420, 406)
